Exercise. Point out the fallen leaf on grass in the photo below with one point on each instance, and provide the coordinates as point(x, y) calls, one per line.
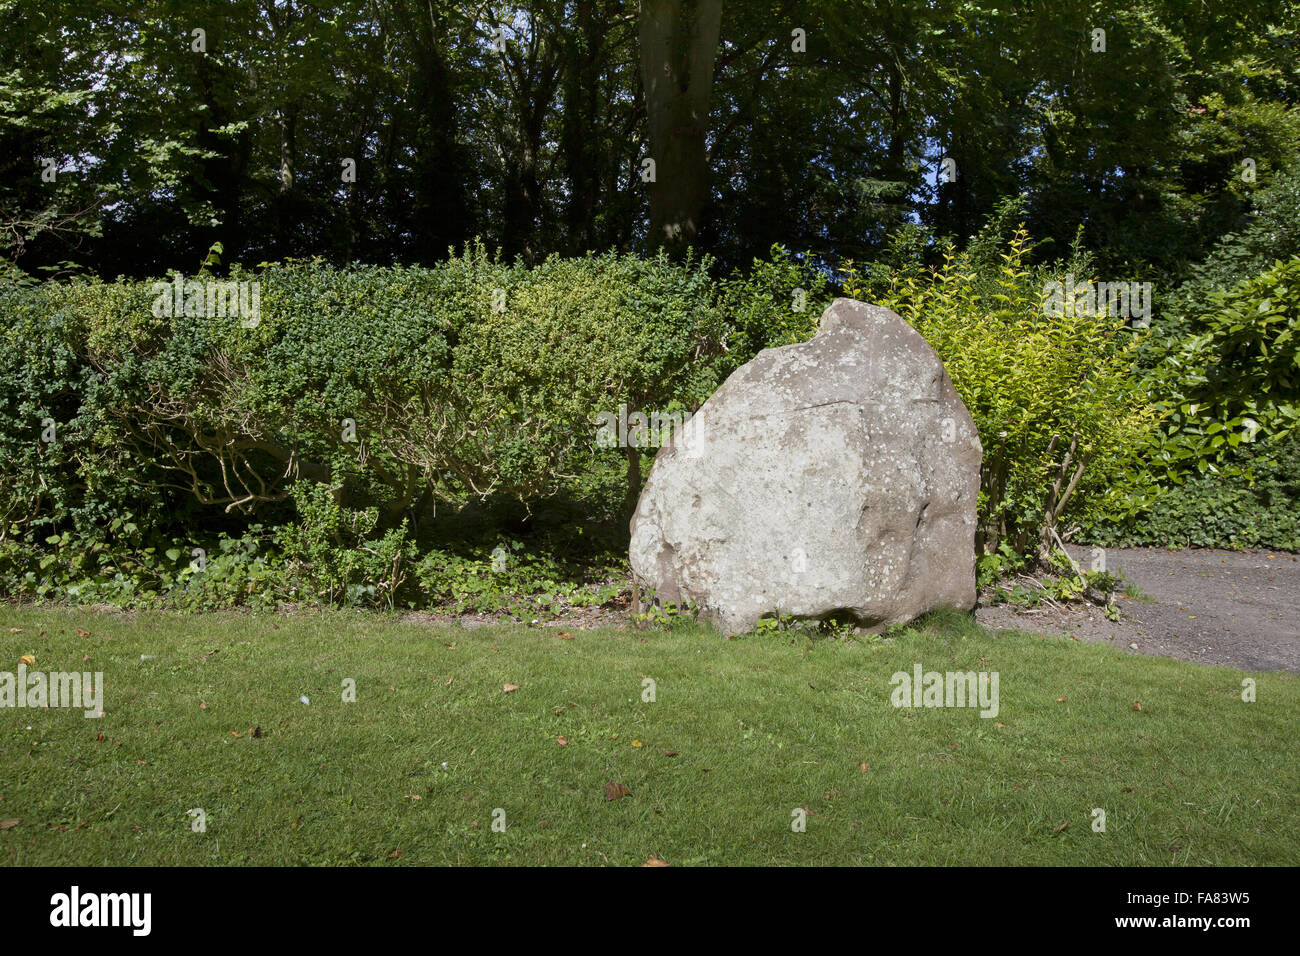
point(670, 753)
point(10, 823)
point(863, 767)
point(509, 688)
point(100, 738)
point(449, 680)
point(202, 706)
point(413, 796)
point(1061, 827)
point(82, 632)
point(235, 733)
point(27, 659)
point(563, 742)
point(564, 636)
point(655, 861)
point(15, 630)
point(255, 732)
point(395, 854)
point(615, 790)
point(1137, 705)
point(1060, 700)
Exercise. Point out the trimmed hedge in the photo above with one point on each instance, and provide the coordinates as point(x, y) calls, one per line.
point(390, 385)
point(308, 450)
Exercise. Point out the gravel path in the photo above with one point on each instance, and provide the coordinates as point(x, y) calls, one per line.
point(1236, 608)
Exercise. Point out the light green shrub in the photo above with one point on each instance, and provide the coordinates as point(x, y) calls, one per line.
point(1035, 383)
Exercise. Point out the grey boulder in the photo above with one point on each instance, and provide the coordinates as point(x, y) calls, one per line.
point(834, 478)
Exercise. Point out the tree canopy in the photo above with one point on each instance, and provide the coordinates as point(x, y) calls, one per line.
point(134, 136)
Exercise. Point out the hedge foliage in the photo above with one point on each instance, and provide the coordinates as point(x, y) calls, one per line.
point(464, 381)
point(331, 449)
point(322, 434)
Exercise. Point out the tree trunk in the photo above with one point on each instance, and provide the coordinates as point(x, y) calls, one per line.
point(679, 40)
point(581, 123)
point(897, 171)
point(439, 206)
point(523, 202)
point(536, 71)
point(285, 206)
point(223, 171)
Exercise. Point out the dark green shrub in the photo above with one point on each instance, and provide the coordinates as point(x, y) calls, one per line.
point(1234, 377)
point(1254, 508)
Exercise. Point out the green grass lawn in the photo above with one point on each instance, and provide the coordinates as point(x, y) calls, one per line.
point(413, 770)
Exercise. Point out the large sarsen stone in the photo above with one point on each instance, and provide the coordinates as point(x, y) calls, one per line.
point(837, 477)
